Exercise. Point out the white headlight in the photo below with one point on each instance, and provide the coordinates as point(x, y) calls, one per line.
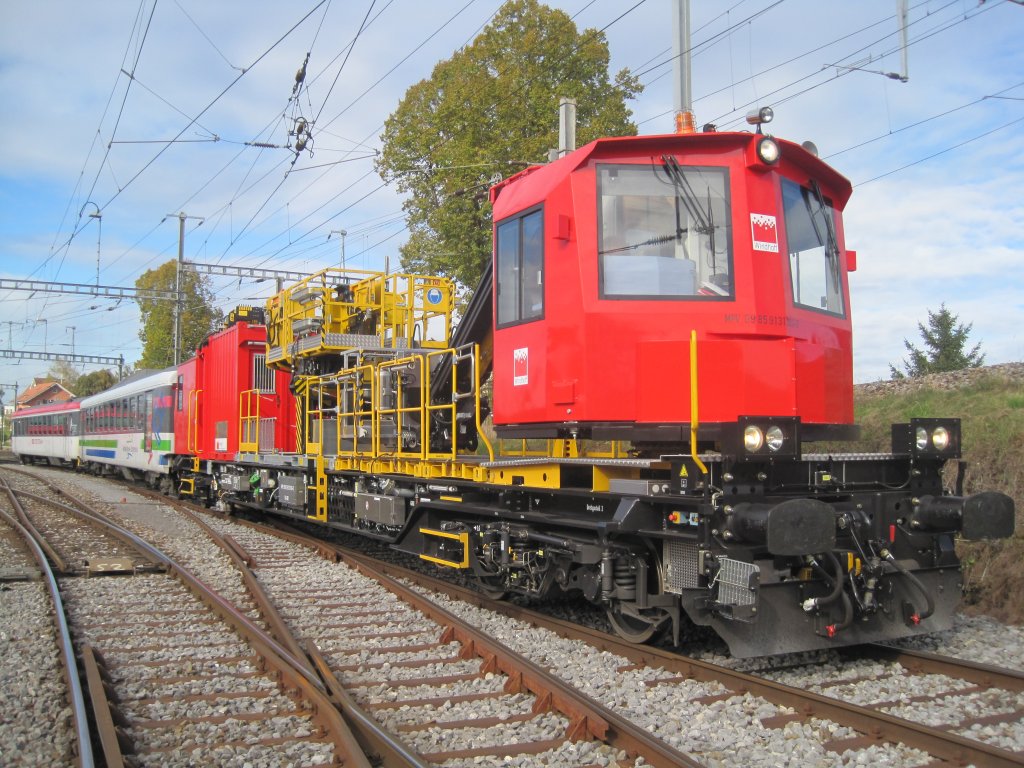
point(774, 438)
point(921, 438)
point(940, 438)
point(753, 439)
point(768, 151)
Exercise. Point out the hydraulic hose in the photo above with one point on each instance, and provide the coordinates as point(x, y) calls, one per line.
point(847, 614)
point(929, 602)
point(814, 603)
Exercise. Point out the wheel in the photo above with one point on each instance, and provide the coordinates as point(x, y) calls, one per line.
point(491, 587)
point(635, 628)
point(637, 625)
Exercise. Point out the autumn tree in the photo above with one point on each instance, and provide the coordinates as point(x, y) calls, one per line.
point(486, 112)
point(944, 341)
point(94, 382)
point(199, 316)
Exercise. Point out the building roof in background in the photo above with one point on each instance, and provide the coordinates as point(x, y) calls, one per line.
point(44, 391)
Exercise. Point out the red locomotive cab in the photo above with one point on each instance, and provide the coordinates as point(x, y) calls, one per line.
point(619, 262)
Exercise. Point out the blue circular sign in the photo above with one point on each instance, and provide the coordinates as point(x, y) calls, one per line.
point(434, 296)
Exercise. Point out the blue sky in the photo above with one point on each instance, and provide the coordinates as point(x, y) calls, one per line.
point(936, 216)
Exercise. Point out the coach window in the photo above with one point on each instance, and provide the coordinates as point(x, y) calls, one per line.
point(813, 251)
point(520, 261)
point(665, 231)
point(181, 391)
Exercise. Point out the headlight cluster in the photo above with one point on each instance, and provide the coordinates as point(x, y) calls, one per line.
point(768, 437)
point(928, 437)
point(754, 438)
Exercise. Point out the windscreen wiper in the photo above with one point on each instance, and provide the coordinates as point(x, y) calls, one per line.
point(684, 192)
point(657, 240)
point(831, 243)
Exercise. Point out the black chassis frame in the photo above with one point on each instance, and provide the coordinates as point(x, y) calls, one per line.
point(577, 527)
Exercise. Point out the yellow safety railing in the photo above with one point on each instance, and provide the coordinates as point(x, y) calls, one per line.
point(192, 421)
point(357, 397)
point(407, 412)
point(443, 412)
point(383, 409)
point(249, 421)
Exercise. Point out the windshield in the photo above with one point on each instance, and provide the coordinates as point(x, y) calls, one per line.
point(665, 231)
point(813, 250)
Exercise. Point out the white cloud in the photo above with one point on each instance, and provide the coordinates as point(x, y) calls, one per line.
point(946, 230)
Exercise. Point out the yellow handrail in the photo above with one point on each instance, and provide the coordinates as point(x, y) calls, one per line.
point(693, 404)
point(192, 421)
point(248, 423)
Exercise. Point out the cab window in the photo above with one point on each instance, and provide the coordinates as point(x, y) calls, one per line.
point(813, 251)
point(665, 231)
point(520, 262)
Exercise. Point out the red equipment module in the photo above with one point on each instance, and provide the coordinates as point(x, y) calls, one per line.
point(607, 260)
point(228, 401)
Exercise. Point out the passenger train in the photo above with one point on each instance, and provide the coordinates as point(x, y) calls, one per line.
point(627, 410)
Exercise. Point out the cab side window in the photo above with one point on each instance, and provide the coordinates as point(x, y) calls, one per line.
point(520, 268)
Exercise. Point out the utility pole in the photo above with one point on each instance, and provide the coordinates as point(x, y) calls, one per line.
point(72, 329)
point(177, 280)
point(99, 233)
point(341, 232)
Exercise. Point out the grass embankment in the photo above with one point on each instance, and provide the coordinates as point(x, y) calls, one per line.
point(991, 408)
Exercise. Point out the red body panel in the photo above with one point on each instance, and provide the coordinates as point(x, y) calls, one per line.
point(595, 360)
point(39, 410)
point(208, 420)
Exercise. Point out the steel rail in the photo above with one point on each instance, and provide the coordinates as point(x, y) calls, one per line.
point(588, 718)
point(67, 651)
point(923, 662)
point(54, 556)
point(266, 607)
point(878, 726)
point(291, 672)
point(375, 740)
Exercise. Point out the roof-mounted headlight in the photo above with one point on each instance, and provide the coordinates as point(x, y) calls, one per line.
point(760, 116)
point(768, 151)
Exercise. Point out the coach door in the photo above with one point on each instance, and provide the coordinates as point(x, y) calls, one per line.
point(147, 424)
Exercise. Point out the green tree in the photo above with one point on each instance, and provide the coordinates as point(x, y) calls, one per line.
point(199, 317)
point(489, 109)
point(97, 381)
point(944, 341)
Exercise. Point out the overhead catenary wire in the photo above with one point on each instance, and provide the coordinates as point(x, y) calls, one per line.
point(293, 198)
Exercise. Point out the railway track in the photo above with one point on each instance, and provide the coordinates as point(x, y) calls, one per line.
point(45, 718)
point(176, 675)
point(408, 657)
point(407, 670)
point(889, 717)
point(958, 734)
